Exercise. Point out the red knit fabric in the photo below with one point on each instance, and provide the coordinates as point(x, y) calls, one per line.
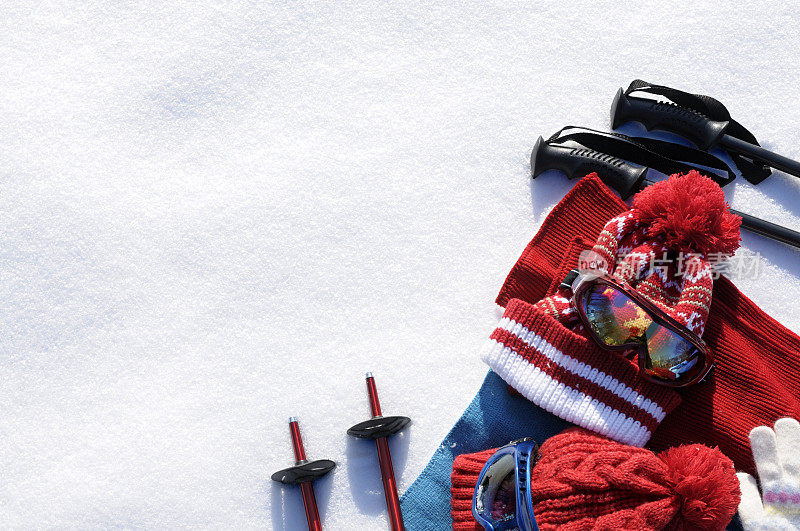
point(684, 214)
point(757, 376)
point(584, 481)
point(466, 469)
point(623, 406)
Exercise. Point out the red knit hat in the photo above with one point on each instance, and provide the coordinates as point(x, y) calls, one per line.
point(584, 481)
point(664, 247)
point(566, 373)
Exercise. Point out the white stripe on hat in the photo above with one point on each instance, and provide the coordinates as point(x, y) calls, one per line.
point(581, 369)
point(561, 400)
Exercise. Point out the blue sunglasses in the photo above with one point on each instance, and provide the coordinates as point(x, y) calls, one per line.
point(502, 498)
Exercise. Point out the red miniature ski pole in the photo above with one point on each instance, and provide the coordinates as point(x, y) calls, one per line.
point(304, 473)
point(379, 428)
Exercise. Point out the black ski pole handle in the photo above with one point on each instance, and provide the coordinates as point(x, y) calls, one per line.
point(575, 160)
point(626, 179)
point(701, 130)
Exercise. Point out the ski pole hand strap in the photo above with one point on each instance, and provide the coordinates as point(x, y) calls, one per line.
point(752, 170)
point(665, 157)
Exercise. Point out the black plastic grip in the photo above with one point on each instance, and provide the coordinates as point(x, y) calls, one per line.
point(575, 160)
point(700, 129)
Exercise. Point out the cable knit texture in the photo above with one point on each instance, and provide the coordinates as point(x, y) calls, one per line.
point(757, 375)
point(466, 469)
point(584, 481)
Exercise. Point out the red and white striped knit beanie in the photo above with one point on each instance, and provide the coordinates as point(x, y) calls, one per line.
point(663, 247)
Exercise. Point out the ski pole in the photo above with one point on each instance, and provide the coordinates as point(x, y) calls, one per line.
point(379, 428)
point(626, 179)
point(703, 131)
point(304, 473)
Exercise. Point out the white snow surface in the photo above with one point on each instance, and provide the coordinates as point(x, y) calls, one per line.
point(217, 215)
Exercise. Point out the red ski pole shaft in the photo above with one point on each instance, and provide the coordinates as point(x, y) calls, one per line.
point(306, 489)
point(389, 485)
point(310, 503)
point(372, 392)
point(385, 460)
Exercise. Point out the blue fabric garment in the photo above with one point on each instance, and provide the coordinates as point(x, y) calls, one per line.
point(492, 419)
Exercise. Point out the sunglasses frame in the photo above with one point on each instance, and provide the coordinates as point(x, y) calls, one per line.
point(580, 289)
point(526, 454)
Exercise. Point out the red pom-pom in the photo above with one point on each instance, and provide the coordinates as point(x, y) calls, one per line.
point(689, 214)
point(706, 482)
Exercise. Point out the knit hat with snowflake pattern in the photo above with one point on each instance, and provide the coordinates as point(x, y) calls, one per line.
point(663, 247)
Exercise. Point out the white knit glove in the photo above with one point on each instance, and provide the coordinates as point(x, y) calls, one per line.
point(777, 457)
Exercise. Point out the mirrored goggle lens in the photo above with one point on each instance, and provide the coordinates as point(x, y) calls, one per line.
point(615, 318)
point(618, 320)
point(670, 356)
point(496, 498)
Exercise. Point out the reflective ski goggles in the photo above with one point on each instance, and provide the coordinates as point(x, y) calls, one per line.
point(502, 498)
point(620, 318)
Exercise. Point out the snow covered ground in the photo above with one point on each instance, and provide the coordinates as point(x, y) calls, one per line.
point(216, 215)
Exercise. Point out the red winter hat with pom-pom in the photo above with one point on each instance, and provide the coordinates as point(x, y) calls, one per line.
point(666, 244)
point(584, 481)
point(663, 247)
